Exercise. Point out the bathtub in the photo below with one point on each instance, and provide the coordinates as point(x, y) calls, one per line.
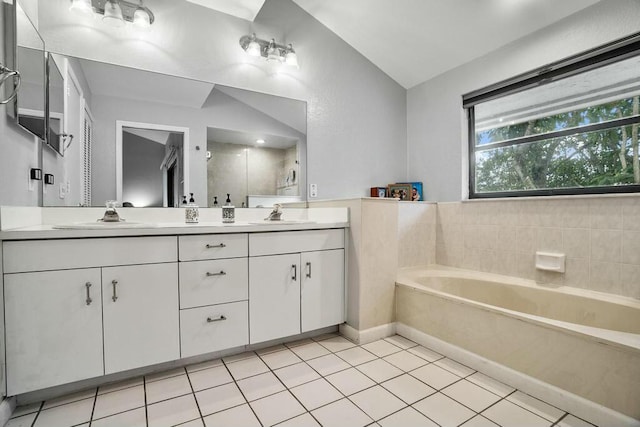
point(586, 343)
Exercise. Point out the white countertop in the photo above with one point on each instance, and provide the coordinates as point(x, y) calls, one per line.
point(161, 229)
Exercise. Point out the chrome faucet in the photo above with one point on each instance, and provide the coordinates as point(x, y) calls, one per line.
point(275, 214)
point(111, 215)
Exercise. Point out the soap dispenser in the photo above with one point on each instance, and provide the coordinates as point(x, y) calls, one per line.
point(191, 213)
point(228, 211)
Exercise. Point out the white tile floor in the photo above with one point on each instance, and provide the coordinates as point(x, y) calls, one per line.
point(326, 381)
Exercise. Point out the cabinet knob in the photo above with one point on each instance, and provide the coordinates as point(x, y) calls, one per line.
point(309, 270)
point(295, 272)
point(217, 319)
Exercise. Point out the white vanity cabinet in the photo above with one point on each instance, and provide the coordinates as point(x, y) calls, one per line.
point(53, 328)
point(214, 292)
point(296, 282)
point(58, 302)
point(140, 315)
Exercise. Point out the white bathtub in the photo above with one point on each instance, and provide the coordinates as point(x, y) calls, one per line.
point(584, 342)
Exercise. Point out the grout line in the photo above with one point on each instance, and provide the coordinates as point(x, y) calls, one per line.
point(146, 410)
point(93, 408)
point(235, 382)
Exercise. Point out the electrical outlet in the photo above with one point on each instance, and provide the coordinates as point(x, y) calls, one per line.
point(313, 190)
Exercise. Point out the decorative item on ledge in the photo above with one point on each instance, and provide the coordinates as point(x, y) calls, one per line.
point(379, 192)
point(115, 12)
point(405, 191)
point(270, 50)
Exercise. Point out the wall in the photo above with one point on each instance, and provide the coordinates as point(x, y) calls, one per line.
point(356, 113)
point(600, 237)
point(436, 126)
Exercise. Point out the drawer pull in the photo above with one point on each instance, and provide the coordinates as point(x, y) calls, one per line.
point(309, 270)
point(114, 298)
point(217, 319)
point(221, 245)
point(221, 273)
point(295, 272)
point(88, 300)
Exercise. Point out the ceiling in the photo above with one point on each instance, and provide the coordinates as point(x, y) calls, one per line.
point(415, 40)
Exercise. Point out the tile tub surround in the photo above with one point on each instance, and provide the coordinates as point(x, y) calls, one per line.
point(605, 373)
point(384, 235)
point(399, 384)
point(599, 235)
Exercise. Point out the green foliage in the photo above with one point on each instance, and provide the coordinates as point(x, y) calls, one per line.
point(601, 158)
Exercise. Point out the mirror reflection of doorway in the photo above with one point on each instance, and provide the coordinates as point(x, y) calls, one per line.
point(152, 165)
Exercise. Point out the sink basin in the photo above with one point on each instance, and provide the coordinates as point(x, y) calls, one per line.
point(282, 222)
point(100, 225)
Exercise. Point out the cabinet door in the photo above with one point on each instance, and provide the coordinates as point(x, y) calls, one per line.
point(274, 297)
point(140, 309)
point(322, 289)
point(53, 331)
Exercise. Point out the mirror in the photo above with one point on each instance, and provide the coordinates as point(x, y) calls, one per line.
point(147, 139)
point(28, 107)
point(55, 106)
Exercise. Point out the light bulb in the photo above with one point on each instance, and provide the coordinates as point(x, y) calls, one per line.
point(290, 57)
point(113, 14)
point(141, 18)
point(81, 7)
point(273, 53)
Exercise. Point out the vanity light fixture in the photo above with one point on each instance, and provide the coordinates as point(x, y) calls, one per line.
point(271, 50)
point(115, 12)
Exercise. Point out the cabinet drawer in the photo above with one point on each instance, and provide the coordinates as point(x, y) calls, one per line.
point(213, 328)
point(295, 241)
point(40, 255)
point(212, 246)
point(213, 282)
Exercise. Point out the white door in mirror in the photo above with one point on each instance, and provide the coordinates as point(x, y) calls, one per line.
point(313, 190)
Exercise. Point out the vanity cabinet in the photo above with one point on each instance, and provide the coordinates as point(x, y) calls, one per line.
point(139, 305)
point(61, 322)
point(53, 328)
point(80, 308)
point(214, 292)
point(299, 289)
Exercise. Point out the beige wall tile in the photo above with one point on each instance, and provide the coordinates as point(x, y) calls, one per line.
point(526, 239)
point(631, 213)
point(505, 262)
point(577, 273)
point(449, 213)
point(506, 238)
point(606, 213)
point(631, 247)
point(606, 245)
point(526, 265)
point(446, 256)
point(630, 280)
point(549, 239)
point(575, 213)
point(416, 234)
point(605, 277)
point(576, 242)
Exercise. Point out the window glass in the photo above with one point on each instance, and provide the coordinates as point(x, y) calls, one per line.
point(576, 134)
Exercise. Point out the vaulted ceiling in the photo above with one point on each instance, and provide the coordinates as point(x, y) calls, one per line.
point(415, 40)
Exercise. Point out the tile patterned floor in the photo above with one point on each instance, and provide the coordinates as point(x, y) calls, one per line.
point(327, 381)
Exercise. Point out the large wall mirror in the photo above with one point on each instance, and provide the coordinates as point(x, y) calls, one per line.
point(28, 57)
point(147, 139)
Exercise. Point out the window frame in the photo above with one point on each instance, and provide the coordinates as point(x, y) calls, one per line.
point(601, 56)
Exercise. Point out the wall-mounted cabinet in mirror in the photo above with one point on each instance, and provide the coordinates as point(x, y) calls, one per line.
point(118, 152)
point(28, 57)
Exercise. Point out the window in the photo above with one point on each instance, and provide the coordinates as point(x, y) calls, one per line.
point(568, 128)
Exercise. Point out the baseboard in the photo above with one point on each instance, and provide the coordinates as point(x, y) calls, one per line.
point(574, 404)
point(368, 335)
point(7, 406)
